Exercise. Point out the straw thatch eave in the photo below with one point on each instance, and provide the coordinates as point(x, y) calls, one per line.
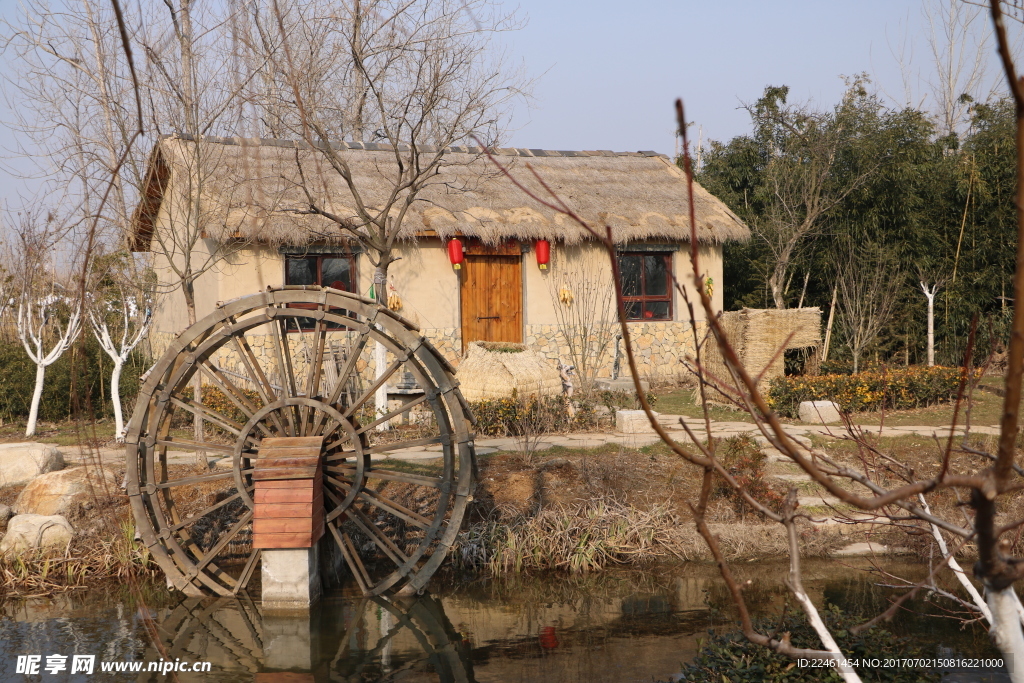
point(251, 190)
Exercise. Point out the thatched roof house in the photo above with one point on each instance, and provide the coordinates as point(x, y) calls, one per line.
point(251, 194)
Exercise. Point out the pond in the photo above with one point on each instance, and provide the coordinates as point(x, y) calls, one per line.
point(613, 627)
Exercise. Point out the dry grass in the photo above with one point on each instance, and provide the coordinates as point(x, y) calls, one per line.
point(600, 534)
point(80, 564)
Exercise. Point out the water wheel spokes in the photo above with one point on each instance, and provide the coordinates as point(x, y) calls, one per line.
point(268, 367)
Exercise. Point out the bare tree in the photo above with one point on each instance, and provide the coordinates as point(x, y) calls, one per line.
point(583, 300)
point(802, 182)
point(49, 315)
point(960, 47)
point(412, 76)
point(891, 492)
point(868, 280)
point(74, 78)
point(120, 318)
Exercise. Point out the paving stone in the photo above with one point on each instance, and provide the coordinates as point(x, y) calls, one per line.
point(792, 477)
point(817, 501)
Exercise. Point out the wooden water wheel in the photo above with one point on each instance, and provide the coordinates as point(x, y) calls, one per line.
point(295, 362)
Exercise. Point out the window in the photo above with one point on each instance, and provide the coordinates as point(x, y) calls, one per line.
point(327, 270)
point(646, 285)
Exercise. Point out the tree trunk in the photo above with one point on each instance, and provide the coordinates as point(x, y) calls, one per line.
point(115, 397)
point(777, 284)
point(931, 330)
point(380, 352)
point(37, 395)
point(1006, 628)
point(198, 425)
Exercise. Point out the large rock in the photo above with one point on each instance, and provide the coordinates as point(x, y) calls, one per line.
point(633, 422)
point(20, 463)
point(820, 412)
point(26, 532)
point(65, 492)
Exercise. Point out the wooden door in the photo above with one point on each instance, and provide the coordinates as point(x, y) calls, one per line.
point(492, 299)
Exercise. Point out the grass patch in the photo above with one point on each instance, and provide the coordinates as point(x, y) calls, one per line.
point(681, 402)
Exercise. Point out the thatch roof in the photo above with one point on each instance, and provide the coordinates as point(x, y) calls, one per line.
point(251, 190)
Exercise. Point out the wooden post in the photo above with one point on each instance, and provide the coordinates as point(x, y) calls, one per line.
point(288, 520)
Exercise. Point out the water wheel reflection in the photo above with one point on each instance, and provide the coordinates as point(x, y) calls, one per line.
point(380, 638)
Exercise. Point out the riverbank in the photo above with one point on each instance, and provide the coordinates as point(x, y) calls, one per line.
point(571, 503)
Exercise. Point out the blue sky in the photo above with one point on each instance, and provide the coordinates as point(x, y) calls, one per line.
point(614, 68)
point(609, 71)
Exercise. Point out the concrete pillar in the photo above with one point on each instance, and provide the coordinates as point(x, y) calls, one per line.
point(291, 579)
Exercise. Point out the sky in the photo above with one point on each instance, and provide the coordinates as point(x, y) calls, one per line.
point(608, 72)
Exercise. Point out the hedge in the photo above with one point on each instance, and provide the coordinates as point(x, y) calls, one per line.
point(900, 389)
point(515, 416)
point(92, 382)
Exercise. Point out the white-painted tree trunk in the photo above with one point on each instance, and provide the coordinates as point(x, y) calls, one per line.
point(847, 672)
point(115, 397)
point(32, 324)
point(930, 295)
point(37, 395)
point(119, 353)
point(1006, 629)
point(961, 576)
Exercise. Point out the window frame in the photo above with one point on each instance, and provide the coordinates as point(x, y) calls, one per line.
point(644, 298)
point(320, 256)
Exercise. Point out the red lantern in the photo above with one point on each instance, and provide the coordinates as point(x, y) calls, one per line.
point(455, 254)
point(543, 249)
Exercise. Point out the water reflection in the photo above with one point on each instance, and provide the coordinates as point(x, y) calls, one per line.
point(345, 640)
point(606, 628)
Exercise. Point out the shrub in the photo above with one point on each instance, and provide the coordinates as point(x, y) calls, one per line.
point(214, 398)
point(623, 400)
point(515, 416)
point(731, 657)
point(91, 382)
point(743, 459)
point(902, 389)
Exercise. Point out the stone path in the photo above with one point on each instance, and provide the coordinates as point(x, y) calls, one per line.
point(487, 446)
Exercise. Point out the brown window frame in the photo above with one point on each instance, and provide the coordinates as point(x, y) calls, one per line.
point(643, 299)
point(353, 282)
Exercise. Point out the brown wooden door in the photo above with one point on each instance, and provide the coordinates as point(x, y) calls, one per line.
point(492, 299)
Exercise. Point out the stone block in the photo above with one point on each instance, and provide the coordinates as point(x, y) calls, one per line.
point(820, 412)
point(291, 578)
point(66, 491)
point(26, 532)
point(633, 422)
point(20, 463)
point(620, 384)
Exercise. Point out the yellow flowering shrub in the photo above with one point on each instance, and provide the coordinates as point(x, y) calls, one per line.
point(899, 389)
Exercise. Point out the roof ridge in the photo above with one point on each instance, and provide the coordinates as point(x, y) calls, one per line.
point(384, 147)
